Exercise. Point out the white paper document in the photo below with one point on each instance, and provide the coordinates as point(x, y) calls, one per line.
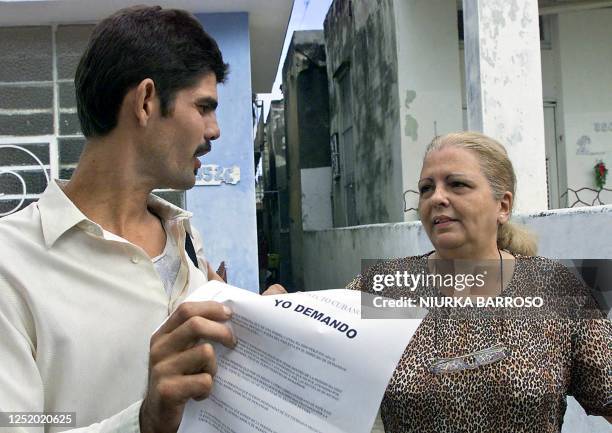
point(304, 362)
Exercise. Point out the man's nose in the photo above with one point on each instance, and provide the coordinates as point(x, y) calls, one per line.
point(212, 129)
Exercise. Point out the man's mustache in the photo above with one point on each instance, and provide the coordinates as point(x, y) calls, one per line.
point(203, 148)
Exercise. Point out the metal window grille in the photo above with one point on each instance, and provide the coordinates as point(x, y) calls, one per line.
point(40, 135)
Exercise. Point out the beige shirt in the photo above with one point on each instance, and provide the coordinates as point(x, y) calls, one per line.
point(78, 306)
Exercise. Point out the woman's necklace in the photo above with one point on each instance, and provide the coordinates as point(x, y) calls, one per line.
point(475, 359)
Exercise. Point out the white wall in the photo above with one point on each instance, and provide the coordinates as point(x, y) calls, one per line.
point(316, 198)
point(549, 79)
point(585, 62)
point(428, 81)
point(332, 257)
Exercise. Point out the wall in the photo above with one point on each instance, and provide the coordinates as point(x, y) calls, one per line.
point(550, 91)
point(360, 36)
point(429, 83)
point(225, 214)
point(549, 75)
point(316, 198)
point(562, 233)
point(585, 63)
point(307, 135)
point(315, 158)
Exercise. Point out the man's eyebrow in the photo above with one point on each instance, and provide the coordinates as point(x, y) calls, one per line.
point(207, 101)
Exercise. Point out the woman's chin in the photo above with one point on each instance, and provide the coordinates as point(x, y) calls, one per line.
point(447, 242)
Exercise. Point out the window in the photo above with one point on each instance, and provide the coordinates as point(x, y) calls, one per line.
point(40, 135)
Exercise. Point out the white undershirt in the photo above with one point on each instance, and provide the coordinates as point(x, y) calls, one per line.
point(167, 264)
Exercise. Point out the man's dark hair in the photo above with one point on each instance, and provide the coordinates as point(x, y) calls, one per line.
point(167, 45)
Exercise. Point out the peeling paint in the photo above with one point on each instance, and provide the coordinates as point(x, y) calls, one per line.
point(514, 9)
point(412, 127)
point(410, 96)
point(498, 20)
point(502, 62)
point(526, 19)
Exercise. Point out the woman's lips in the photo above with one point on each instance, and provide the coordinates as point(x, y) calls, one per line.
point(444, 223)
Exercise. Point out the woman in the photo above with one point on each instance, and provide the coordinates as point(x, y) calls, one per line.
point(490, 369)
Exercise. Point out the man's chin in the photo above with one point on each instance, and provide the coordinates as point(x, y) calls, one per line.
point(181, 184)
point(188, 184)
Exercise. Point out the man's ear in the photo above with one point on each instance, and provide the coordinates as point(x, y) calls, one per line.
point(145, 101)
point(505, 208)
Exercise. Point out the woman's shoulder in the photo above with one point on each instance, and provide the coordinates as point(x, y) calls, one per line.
point(555, 281)
point(541, 269)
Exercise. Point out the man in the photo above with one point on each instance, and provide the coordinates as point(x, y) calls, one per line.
point(90, 271)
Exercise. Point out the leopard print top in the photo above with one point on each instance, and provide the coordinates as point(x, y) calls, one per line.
point(558, 350)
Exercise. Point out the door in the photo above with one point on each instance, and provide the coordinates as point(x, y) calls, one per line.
point(552, 161)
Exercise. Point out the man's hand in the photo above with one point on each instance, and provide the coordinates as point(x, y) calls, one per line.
point(179, 367)
point(274, 289)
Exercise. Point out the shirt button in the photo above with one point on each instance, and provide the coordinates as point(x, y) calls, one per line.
point(135, 260)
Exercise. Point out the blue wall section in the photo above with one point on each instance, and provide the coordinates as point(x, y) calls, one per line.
point(225, 214)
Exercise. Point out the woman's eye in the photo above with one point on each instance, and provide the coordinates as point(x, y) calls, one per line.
point(457, 184)
point(425, 188)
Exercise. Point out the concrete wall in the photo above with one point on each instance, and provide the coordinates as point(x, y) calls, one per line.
point(333, 257)
point(429, 82)
point(225, 214)
point(585, 65)
point(555, 149)
point(360, 38)
point(315, 159)
point(549, 76)
point(307, 133)
point(316, 198)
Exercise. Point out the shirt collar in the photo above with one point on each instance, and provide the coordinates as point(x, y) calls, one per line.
point(168, 212)
point(58, 214)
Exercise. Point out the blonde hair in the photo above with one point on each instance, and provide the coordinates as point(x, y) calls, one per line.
point(497, 168)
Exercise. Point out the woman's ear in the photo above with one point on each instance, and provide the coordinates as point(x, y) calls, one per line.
point(505, 208)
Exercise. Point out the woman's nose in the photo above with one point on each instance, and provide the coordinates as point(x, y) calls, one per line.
point(440, 197)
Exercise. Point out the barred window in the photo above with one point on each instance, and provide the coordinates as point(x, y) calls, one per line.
point(40, 135)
